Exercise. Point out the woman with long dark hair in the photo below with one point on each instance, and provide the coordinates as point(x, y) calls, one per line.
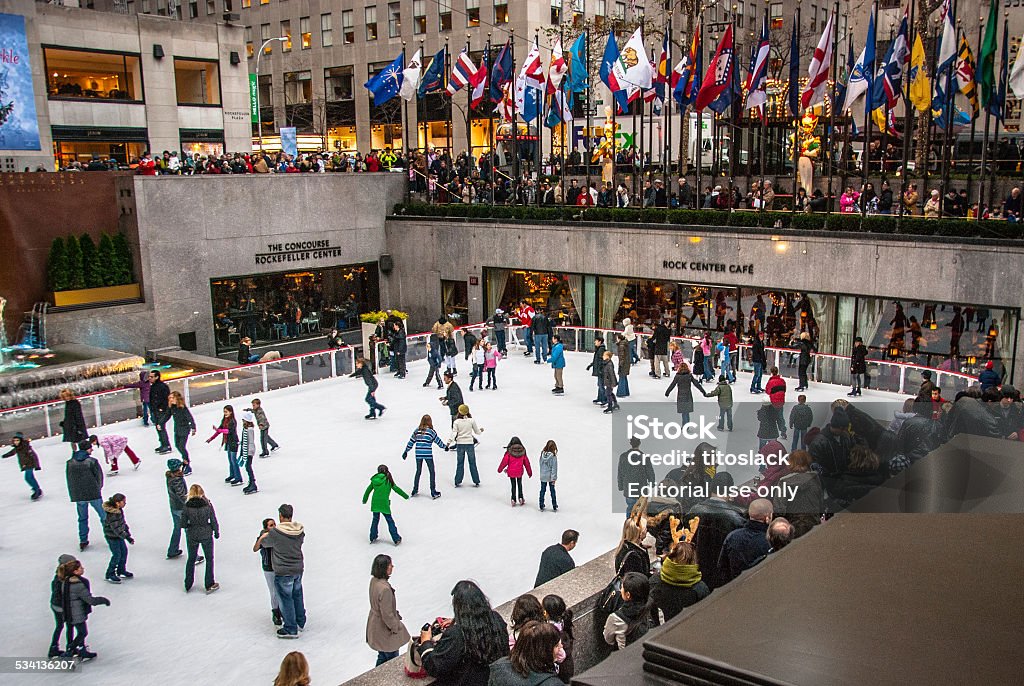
point(228, 431)
point(381, 486)
point(464, 649)
point(424, 438)
point(73, 424)
point(532, 661)
point(184, 426)
point(385, 632)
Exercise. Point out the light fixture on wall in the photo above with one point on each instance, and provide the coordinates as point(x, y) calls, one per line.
point(158, 51)
point(234, 58)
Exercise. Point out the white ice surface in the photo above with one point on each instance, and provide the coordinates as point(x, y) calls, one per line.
point(153, 633)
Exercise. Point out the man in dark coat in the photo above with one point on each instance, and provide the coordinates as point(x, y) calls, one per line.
point(759, 360)
point(595, 367)
point(659, 350)
point(397, 344)
point(858, 365)
point(830, 449)
point(555, 560)
point(541, 329)
point(718, 519)
point(85, 488)
point(989, 378)
point(452, 396)
point(634, 473)
point(744, 546)
point(159, 395)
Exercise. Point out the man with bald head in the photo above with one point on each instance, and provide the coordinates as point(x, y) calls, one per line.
point(743, 546)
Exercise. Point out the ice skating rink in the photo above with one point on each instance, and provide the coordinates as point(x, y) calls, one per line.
point(154, 633)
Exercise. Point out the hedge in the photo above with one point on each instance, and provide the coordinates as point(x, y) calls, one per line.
point(77, 262)
point(842, 223)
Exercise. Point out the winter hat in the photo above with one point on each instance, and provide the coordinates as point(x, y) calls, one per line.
point(839, 419)
point(626, 321)
point(65, 558)
point(18, 434)
point(988, 365)
point(464, 409)
point(173, 464)
point(926, 374)
point(248, 416)
point(499, 311)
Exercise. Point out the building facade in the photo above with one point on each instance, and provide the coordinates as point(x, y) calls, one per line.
point(115, 85)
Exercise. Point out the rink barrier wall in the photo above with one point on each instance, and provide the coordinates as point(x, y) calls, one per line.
point(41, 420)
point(579, 589)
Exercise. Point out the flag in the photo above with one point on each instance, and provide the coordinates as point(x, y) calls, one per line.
point(817, 72)
point(576, 81)
point(997, 106)
point(559, 109)
point(501, 72)
point(433, 77)
point(479, 82)
point(1016, 81)
point(844, 76)
point(633, 68)
point(505, 104)
point(558, 67)
point(463, 73)
point(687, 72)
point(885, 124)
point(530, 85)
point(889, 80)
point(386, 83)
point(947, 47)
point(987, 56)
point(794, 72)
point(726, 97)
point(411, 77)
point(864, 69)
point(920, 84)
point(757, 77)
point(608, 62)
point(965, 76)
point(718, 77)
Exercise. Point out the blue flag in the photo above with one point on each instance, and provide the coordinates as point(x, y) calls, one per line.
point(433, 78)
point(794, 73)
point(386, 83)
point(501, 72)
point(576, 80)
point(997, 105)
point(611, 56)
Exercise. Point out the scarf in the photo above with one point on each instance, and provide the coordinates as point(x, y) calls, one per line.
point(675, 574)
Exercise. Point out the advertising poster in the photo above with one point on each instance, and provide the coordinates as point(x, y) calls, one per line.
point(19, 128)
point(288, 141)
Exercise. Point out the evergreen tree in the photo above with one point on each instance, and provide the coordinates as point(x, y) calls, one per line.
point(123, 267)
point(57, 266)
point(106, 261)
point(76, 275)
point(92, 272)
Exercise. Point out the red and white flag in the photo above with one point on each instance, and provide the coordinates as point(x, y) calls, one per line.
point(479, 84)
point(817, 73)
point(463, 73)
point(558, 67)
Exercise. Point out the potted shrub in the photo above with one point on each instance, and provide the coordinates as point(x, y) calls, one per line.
point(368, 325)
point(80, 273)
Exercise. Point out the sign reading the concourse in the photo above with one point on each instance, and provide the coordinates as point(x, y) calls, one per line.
point(298, 251)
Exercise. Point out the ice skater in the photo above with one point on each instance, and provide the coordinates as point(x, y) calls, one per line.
point(199, 520)
point(159, 399)
point(478, 358)
point(228, 431)
point(463, 430)
point(491, 357)
point(85, 485)
point(435, 356)
point(365, 371)
point(264, 425)
point(247, 449)
point(424, 438)
point(113, 446)
point(610, 381)
point(514, 463)
point(381, 486)
point(547, 471)
point(143, 385)
point(177, 494)
point(451, 353)
point(118, 535)
point(266, 561)
point(452, 398)
point(184, 426)
point(77, 602)
point(73, 424)
point(557, 361)
point(57, 607)
point(28, 462)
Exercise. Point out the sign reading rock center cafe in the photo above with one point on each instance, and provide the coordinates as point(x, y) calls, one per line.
point(697, 266)
point(298, 251)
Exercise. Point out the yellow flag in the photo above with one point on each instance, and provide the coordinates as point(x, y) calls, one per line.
point(920, 87)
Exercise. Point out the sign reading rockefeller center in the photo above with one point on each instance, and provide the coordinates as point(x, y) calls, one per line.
point(300, 251)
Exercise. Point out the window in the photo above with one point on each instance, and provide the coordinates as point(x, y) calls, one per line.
point(197, 82)
point(444, 15)
point(394, 19)
point(264, 2)
point(338, 82)
point(370, 16)
point(326, 31)
point(599, 14)
point(264, 35)
point(740, 14)
point(578, 11)
point(246, 4)
point(145, 7)
point(775, 15)
point(84, 74)
point(286, 32)
point(556, 11)
point(814, 17)
point(211, 7)
point(419, 17)
point(472, 12)
point(348, 26)
point(298, 88)
point(305, 36)
point(193, 9)
point(500, 11)
point(620, 11)
point(249, 49)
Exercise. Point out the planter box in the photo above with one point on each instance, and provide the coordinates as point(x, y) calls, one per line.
point(89, 296)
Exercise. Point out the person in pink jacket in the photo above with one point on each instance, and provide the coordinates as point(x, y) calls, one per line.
point(514, 462)
point(491, 357)
point(113, 446)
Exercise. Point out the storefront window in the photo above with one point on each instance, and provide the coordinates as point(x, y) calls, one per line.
point(203, 149)
point(84, 74)
point(269, 307)
point(342, 138)
point(560, 296)
point(121, 154)
point(455, 301)
point(197, 82)
point(644, 301)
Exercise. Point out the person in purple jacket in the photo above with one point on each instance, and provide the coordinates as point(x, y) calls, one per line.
point(143, 385)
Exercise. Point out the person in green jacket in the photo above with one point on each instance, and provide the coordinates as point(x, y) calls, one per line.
point(381, 485)
point(724, 392)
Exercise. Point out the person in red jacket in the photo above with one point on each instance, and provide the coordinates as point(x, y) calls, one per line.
point(514, 462)
point(776, 390)
point(147, 167)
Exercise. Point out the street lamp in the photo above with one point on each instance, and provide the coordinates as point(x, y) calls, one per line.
point(259, 114)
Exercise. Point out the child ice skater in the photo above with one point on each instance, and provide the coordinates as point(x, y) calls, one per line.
point(381, 486)
point(478, 357)
point(491, 357)
point(28, 462)
point(424, 438)
point(247, 449)
point(113, 446)
point(548, 473)
point(118, 535)
point(77, 602)
point(514, 463)
point(228, 431)
point(264, 425)
point(184, 426)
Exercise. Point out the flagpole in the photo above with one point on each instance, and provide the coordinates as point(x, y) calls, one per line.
point(933, 71)
point(884, 147)
point(950, 110)
point(984, 153)
point(650, 130)
point(698, 192)
point(666, 114)
point(587, 137)
point(451, 114)
point(995, 149)
point(473, 160)
point(974, 121)
point(561, 107)
point(733, 107)
point(831, 147)
point(908, 115)
point(538, 152)
point(515, 122)
point(796, 115)
point(405, 124)
point(869, 106)
point(764, 119)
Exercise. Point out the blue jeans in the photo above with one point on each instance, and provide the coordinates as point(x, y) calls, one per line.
point(30, 479)
point(234, 472)
point(724, 414)
point(630, 502)
point(145, 414)
point(623, 389)
point(554, 498)
point(684, 417)
point(601, 396)
point(755, 383)
point(383, 657)
point(709, 372)
point(289, 592)
point(374, 405)
point(253, 358)
point(463, 451)
point(118, 556)
point(392, 529)
point(727, 369)
point(528, 339)
point(632, 352)
point(174, 547)
point(540, 351)
point(798, 437)
point(500, 337)
point(83, 516)
point(160, 420)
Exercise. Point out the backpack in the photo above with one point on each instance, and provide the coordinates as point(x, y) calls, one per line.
point(411, 661)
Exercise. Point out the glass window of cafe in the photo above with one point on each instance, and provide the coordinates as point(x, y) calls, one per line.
point(91, 74)
point(296, 304)
point(560, 296)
